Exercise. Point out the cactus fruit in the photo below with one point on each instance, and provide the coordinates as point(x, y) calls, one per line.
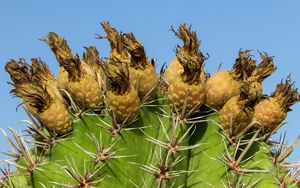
point(172, 140)
point(225, 84)
point(270, 112)
point(190, 48)
point(261, 72)
point(141, 71)
point(76, 76)
point(235, 114)
point(186, 88)
point(121, 96)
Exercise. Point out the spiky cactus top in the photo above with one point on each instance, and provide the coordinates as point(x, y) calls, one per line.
point(131, 141)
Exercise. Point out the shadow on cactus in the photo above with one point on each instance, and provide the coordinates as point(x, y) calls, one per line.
point(115, 122)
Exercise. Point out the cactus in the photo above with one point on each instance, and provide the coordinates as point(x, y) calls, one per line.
point(116, 123)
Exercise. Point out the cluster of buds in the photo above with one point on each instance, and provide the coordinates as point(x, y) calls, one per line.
point(127, 78)
point(247, 107)
point(131, 78)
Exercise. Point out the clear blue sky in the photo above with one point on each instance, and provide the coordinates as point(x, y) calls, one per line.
point(223, 27)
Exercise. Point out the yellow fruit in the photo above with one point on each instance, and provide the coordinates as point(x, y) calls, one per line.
point(56, 118)
point(141, 72)
point(63, 76)
point(271, 112)
point(86, 91)
point(59, 46)
point(18, 71)
point(220, 88)
point(62, 79)
point(122, 98)
point(234, 115)
point(76, 76)
point(125, 106)
point(226, 84)
point(41, 73)
point(117, 52)
point(145, 80)
point(261, 72)
point(185, 75)
point(179, 92)
point(175, 70)
point(48, 109)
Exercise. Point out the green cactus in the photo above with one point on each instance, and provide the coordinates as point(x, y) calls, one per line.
point(171, 140)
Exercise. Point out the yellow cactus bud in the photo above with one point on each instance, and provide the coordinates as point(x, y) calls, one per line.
point(82, 80)
point(186, 85)
point(62, 78)
point(41, 74)
point(117, 52)
point(50, 111)
point(125, 106)
point(226, 84)
point(56, 118)
point(261, 72)
point(19, 71)
point(141, 72)
point(235, 116)
point(121, 97)
point(180, 93)
point(271, 112)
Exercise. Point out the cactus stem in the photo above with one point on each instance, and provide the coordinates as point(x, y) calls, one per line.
point(173, 144)
point(163, 172)
point(103, 124)
point(150, 103)
point(233, 134)
point(288, 179)
point(237, 182)
point(84, 181)
point(163, 113)
point(7, 174)
point(119, 127)
point(134, 184)
point(35, 130)
point(102, 154)
point(235, 164)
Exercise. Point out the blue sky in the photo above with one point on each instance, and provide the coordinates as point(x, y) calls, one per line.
point(222, 26)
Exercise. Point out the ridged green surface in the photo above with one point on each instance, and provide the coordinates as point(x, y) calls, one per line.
point(202, 166)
